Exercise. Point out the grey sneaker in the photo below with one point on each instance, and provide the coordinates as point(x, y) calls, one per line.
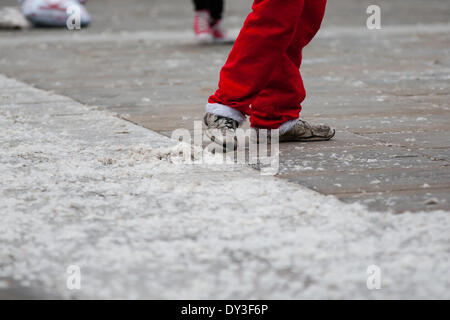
point(303, 131)
point(221, 130)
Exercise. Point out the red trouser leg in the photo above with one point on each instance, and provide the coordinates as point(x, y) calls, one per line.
point(263, 67)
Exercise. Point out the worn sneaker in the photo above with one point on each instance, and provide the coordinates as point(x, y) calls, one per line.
point(53, 13)
point(221, 130)
point(303, 131)
point(202, 29)
point(218, 32)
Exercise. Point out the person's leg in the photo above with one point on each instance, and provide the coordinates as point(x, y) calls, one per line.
point(216, 10)
point(261, 45)
point(202, 21)
point(263, 71)
point(280, 101)
point(200, 5)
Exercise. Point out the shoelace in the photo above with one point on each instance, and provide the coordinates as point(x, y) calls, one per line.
point(201, 23)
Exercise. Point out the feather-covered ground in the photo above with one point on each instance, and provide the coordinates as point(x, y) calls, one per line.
point(82, 187)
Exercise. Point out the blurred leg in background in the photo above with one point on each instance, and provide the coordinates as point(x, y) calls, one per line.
point(53, 13)
point(208, 20)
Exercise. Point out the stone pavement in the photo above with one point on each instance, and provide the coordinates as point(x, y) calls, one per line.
point(387, 92)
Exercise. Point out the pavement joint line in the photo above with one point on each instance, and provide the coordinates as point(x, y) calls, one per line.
point(369, 170)
point(331, 32)
point(379, 192)
point(423, 129)
point(438, 110)
point(396, 144)
point(374, 191)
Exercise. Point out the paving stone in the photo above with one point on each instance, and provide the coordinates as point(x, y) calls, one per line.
point(401, 201)
point(375, 180)
point(432, 121)
point(350, 159)
point(414, 139)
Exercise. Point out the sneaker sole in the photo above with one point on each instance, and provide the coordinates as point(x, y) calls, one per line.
point(223, 41)
point(310, 139)
point(204, 38)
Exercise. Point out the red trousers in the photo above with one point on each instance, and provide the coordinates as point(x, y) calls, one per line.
point(261, 77)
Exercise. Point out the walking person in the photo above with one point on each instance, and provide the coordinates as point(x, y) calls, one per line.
point(208, 26)
point(261, 78)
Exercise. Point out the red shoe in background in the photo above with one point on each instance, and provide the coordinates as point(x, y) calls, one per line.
point(202, 28)
point(218, 32)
